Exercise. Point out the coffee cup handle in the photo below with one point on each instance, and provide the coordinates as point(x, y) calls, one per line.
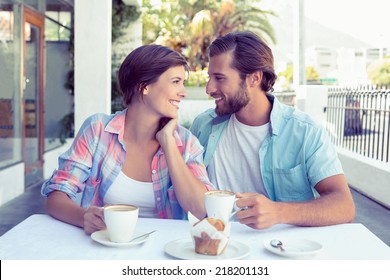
point(237, 209)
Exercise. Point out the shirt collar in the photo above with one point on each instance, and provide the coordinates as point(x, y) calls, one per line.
point(117, 124)
point(275, 118)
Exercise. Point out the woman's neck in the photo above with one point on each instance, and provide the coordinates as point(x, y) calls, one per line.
point(140, 125)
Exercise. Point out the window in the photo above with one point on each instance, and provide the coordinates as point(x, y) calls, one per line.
point(57, 26)
point(10, 128)
point(59, 78)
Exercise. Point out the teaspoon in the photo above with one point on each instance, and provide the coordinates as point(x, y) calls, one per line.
point(277, 244)
point(146, 234)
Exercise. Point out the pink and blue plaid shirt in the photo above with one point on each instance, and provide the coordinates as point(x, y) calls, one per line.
point(96, 157)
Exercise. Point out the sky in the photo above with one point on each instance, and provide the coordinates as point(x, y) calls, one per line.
point(367, 20)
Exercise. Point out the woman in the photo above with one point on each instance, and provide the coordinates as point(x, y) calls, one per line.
point(138, 156)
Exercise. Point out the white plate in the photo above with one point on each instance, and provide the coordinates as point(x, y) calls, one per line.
point(102, 237)
point(184, 249)
point(295, 248)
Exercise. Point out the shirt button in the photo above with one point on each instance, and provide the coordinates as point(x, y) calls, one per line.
point(158, 198)
point(154, 171)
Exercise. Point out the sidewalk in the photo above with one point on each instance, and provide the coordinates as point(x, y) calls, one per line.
point(371, 214)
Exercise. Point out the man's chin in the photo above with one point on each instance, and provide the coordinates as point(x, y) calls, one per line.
point(220, 112)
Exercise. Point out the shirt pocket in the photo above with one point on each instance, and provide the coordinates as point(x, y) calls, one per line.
point(291, 184)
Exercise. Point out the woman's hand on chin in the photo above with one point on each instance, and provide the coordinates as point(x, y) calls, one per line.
point(165, 135)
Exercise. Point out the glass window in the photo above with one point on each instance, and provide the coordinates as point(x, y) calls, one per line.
point(59, 75)
point(57, 26)
point(10, 128)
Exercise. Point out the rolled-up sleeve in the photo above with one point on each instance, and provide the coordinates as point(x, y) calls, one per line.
point(74, 166)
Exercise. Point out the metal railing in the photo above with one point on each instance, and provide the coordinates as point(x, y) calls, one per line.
point(358, 120)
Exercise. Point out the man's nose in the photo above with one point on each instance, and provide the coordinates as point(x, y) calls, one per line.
point(210, 87)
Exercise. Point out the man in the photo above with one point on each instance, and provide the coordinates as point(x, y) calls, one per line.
point(278, 160)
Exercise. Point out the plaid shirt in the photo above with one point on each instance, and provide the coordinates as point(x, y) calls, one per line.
point(96, 157)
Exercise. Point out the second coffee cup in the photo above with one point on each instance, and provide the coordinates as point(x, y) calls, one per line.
point(219, 204)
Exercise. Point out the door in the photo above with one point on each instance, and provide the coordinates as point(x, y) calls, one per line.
point(33, 63)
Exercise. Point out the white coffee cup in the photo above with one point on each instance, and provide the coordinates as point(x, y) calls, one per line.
point(121, 221)
point(219, 204)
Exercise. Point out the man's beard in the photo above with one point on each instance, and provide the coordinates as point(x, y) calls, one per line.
point(235, 103)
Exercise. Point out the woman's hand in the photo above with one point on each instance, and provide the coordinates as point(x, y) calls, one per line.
point(61, 207)
point(93, 219)
point(165, 135)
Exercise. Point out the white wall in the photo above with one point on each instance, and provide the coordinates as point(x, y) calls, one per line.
point(368, 176)
point(51, 158)
point(315, 99)
point(11, 182)
point(92, 58)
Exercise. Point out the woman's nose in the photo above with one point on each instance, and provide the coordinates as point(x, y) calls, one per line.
point(183, 93)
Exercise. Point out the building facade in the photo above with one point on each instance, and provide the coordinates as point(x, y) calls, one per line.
point(50, 82)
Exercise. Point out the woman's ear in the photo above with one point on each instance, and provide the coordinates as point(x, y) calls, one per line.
point(145, 91)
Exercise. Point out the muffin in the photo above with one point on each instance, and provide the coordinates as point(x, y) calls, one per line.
point(209, 236)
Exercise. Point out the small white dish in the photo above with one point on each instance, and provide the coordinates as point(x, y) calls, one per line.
point(294, 248)
point(184, 249)
point(102, 238)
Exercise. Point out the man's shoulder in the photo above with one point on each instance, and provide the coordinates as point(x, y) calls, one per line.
point(209, 114)
point(203, 120)
point(295, 115)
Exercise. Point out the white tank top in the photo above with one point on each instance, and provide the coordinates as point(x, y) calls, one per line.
point(236, 162)
point(125, 190)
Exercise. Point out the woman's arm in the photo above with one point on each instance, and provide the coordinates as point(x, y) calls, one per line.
point(188, 189)
point(61, 207)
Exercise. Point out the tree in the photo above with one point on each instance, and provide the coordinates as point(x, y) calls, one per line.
point(288, 74)
point(312, 74)
point(189, 26)
point(379, 72)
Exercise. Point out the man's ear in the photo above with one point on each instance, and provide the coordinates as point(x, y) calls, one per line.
point(255, 78)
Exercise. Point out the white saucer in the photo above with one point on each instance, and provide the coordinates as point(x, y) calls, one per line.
point(184, 249)
point(294, 248)
point(102, 237)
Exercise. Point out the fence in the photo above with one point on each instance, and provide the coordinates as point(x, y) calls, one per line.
point(358, 120)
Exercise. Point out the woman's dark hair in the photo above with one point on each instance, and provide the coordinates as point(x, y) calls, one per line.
point(250, 54)
point(143, 66)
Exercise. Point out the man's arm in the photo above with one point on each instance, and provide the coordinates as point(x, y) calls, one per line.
point(334, 206)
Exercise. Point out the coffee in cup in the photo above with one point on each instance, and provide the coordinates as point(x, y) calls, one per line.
point(219, 204)
point(121, 221)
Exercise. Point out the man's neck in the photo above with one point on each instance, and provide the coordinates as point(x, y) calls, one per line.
point(257, 112)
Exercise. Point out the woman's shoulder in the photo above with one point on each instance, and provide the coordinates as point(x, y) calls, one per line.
point(101, 118)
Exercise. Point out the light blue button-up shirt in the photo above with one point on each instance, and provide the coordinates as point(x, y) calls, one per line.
point(294, 157)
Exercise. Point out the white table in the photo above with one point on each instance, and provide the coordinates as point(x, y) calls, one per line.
point(42, 237)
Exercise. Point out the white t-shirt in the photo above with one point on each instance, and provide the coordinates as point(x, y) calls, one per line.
point(125, 190)
point(236, 163)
